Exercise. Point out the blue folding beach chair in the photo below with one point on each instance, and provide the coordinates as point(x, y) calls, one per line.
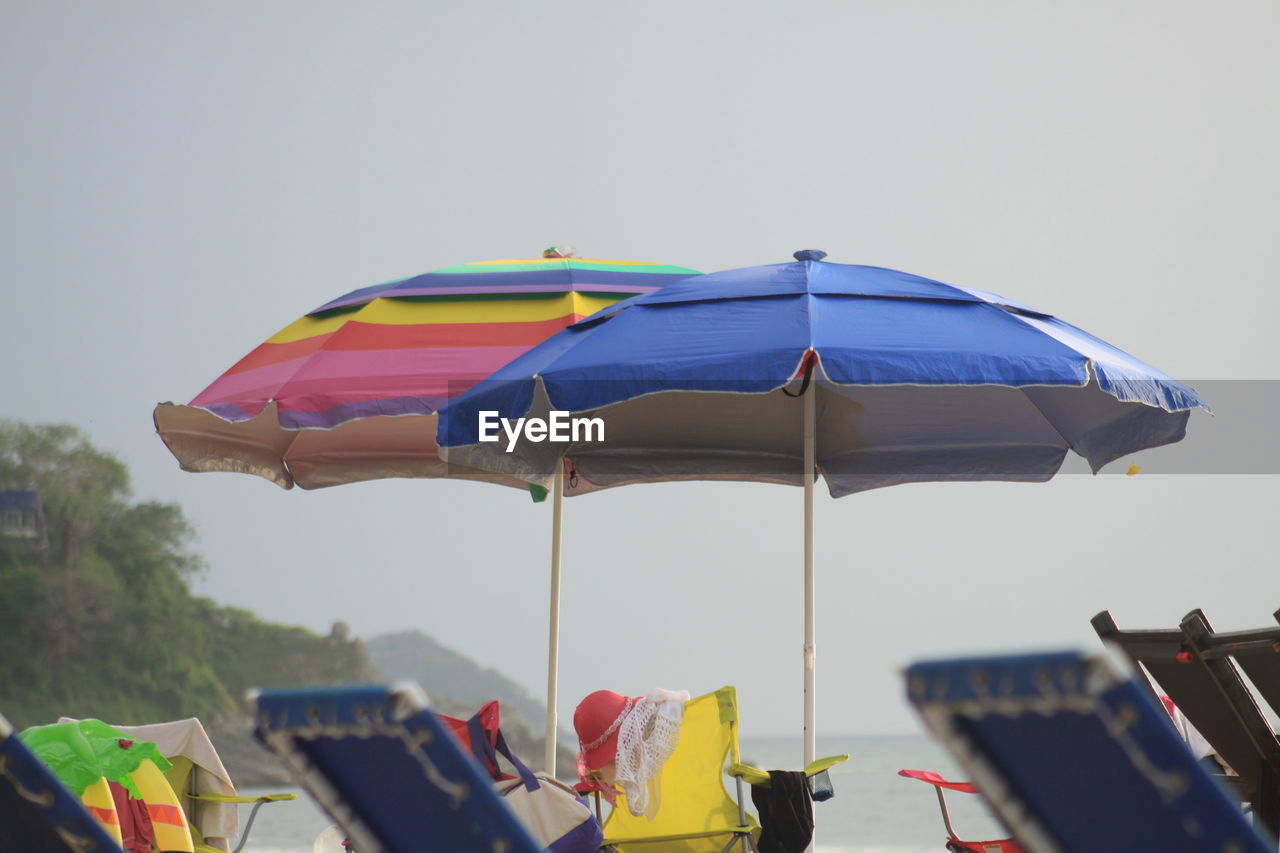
point(1074, 757)
point(388, 770)
point(37, 813)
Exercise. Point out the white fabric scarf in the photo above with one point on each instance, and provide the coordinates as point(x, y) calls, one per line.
point(646, 739)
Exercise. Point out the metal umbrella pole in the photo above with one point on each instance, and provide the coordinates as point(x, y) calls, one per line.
point(810, 647)
point(553, 642)
point(810, 637)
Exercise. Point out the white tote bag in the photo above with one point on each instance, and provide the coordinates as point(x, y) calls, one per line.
point(554, 815)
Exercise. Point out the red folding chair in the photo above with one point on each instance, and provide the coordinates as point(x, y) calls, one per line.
point(479, 735)
point(954, 844)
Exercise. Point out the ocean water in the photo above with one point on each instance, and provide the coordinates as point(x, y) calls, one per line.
point(874, 809)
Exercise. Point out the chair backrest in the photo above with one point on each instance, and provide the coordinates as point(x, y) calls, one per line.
point(1214, 698)
point(1256, 652)
point(37, 812)
point(388, 770)
point(696, 811)
point(181, 776)
point(1075, 757)
point(474, 733)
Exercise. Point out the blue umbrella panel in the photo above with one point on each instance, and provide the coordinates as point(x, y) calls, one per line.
point(915, 380)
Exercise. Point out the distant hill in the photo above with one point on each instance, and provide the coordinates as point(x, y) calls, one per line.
point(444, 672)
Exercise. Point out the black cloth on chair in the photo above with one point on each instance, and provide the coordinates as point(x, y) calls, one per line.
point(786, 813)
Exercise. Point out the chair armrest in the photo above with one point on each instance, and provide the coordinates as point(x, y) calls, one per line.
point(750, 775)
point(756, 776)
point(228, 798)
point(816, 766)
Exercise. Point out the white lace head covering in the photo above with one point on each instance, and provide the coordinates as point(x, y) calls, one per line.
point(647, 737)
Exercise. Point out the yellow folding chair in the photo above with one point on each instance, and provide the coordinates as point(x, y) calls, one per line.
point(696, 813)
point(195, 780)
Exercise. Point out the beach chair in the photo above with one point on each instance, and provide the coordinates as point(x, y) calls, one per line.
point(479, 734)
point(202, 784)
point(37, 813)
point(1073, 756)
point(1256, 653)
point(953, 843)
point(388, 770)
point(697, 814)
point(1210, 692)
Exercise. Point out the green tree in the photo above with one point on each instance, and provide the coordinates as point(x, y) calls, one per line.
point(98, 614)
point(97, 608)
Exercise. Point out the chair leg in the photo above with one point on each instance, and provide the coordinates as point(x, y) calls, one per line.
point(747, 840)
point(1267, 809)
point(946, 816)
point(244, 836)
point(743, 838)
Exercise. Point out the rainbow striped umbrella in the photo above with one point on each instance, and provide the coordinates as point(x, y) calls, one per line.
point(349, 391)
point(323, 401)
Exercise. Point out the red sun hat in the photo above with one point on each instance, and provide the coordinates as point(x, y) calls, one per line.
point(597, 720)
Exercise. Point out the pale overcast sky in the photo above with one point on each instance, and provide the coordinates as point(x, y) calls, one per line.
point(182, 179)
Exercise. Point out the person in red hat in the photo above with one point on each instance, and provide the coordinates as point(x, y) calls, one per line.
point(623, 742)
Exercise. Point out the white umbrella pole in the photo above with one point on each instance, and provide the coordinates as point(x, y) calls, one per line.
point(810, 647)
point(553, 642)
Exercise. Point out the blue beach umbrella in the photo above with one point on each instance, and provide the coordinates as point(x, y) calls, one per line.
point(867, 377)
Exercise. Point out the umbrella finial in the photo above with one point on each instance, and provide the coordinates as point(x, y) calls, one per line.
point(809, 255)
point(560, 252)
